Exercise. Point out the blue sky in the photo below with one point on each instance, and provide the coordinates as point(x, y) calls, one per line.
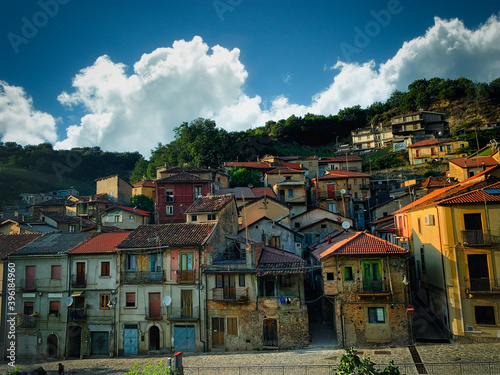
point(123, 74)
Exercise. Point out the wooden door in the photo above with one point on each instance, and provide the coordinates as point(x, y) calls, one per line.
point(30, 278)
point(186, 303)
point(154, 305)
point(229, 288)
point(80, 273)
point(270, 332)
point(331, 190)
point(187, 273)
point(217, 331)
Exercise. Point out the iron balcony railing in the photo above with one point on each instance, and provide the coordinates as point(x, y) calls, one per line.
point(26, 321)
point(77, 314)
point(476, 237)
point(484, 284)
point(230, 295)
point(185, 276)
point(183, 313)
point(324, 195)
point(154, 313)
point(78, 281)
point(28, 284)
point(372, 287)
point(142, 276)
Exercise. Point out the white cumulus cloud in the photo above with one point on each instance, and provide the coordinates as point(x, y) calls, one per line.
point(20, 122)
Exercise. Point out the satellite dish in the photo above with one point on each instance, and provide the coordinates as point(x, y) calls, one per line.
point(342, 191)
point(167, 301)
point(69, 301)
point(346, 225)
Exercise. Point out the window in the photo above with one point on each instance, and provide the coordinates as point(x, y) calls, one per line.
point(186, 267)
point(212, 217)
point(274, 241)
point(55, 272)
point(376, 315)
point(53, 307)
point(286, 281)
point(104, 301)
point(130, 299)
point(105, 269)
point(448, 149)
point(169, 210)
point(28, 308)
point(419, 226)
point(169, 194)
point(422, 259)
point(330, 276)
point(297, 225)
point(241, 280)
point(131, 262)
point(118, 219)
point(348, 273)
point(197, 191)
point(131, 217)
point(232, 326)
point(290, 193)
point(71, 228)
point(485, 315)
point(288, 178)
point(355, 181)
point(417, 153)
point(323, 226)
point(194, 217)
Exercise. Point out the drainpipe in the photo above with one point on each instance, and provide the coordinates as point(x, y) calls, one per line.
point(390, 278)
point(199, 296)
point(458, 286)
point(444, 272)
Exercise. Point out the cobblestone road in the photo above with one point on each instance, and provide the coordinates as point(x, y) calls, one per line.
point(430, 353)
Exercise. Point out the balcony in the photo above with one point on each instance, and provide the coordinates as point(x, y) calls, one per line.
point(476, 237)
point(28, 284)
point(185, 276)
point(187, 313)
point(483, 286)
point(77, 315)
point(238, 295)
point(373, 287)
point(365, 187)
point(26, 321)
point(154, 313)
point(330, 195)
point(142, 276)
point(78, 281)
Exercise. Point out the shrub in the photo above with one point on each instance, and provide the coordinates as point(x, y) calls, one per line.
point(351, 364)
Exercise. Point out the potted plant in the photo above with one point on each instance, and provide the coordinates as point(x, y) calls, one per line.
point(35, 314)
point(87, 306)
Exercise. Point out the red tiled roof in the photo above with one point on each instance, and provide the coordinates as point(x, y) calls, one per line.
point(340, 175)
point(168, 235)
point(487, 161)
point(285, 170)
point(100, 243)
point(476, 196)
point(430, 142)
point(343, 158)
point(183, 177)
point(278, 262)
point(13, 242)
point(382, 219)
point(362, 244)
point(327, 159)
point(248, 164)
point(261, 191)
point(144, 184)
point(293, 166)
point(132, 210)
point(210, 203)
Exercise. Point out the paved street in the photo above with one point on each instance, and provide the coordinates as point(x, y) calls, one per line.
point(430, 353)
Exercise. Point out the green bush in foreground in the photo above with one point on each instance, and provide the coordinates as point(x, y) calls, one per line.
point(351, 364)
point(150, 369)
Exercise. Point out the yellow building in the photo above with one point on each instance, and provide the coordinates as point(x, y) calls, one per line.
point(454, 236)
point(146, 188)
point(463, 168)
point(436, 149)
point(289, 186)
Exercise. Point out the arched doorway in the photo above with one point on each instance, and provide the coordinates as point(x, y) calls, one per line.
point(52, 346)
point(74, 341)
point(154, 338)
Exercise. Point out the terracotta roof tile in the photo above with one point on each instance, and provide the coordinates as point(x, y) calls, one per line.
point(430, 142)
point(131, 210)
point(249, 164)
point(13, 242)
point(363, 244)
point(101, 243)
point(184, 177)
point(285, 170)
point(144, 184)
point(488, 161)
point(261, 191)
point(53, 244)
point(476, 196)
point(210, 203)
point(278, 262)
point(168, 235)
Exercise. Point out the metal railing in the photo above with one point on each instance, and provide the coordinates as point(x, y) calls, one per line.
point(78, 281)
point(28, 284)
point(190, 313)
point(154, 313)
point(459, 368)
point(77, 314)
point(484, 284)
point(476, 237)
point(142, 276)
point(26, 321)
point(230, 294)
point(372, 287)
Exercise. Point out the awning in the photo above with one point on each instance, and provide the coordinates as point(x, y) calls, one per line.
point(77, 294)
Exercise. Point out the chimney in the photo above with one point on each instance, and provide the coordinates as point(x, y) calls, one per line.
point(329, 239)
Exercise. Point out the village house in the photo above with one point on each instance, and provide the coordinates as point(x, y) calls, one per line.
point(92, 306)
point(373, 137)
point(91, 207)
point(365, 279)
point(220, 178)
point(115, 187)
point(63, 222)
point(42, 272)
point(122, 217)
point(436, 149)
point(454, 236)
point(289, 186)
point(264, 206)
point(420, 124)
point(144, 187)
point(241, 194)
point(463, 168)
point(20, 226)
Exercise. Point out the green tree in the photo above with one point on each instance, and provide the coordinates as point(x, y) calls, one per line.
point(350, 364)
point(143, 202)
point(244, 177)
point(140, 171)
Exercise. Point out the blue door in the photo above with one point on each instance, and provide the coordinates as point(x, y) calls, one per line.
point(130, 339)
point(184, 339)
